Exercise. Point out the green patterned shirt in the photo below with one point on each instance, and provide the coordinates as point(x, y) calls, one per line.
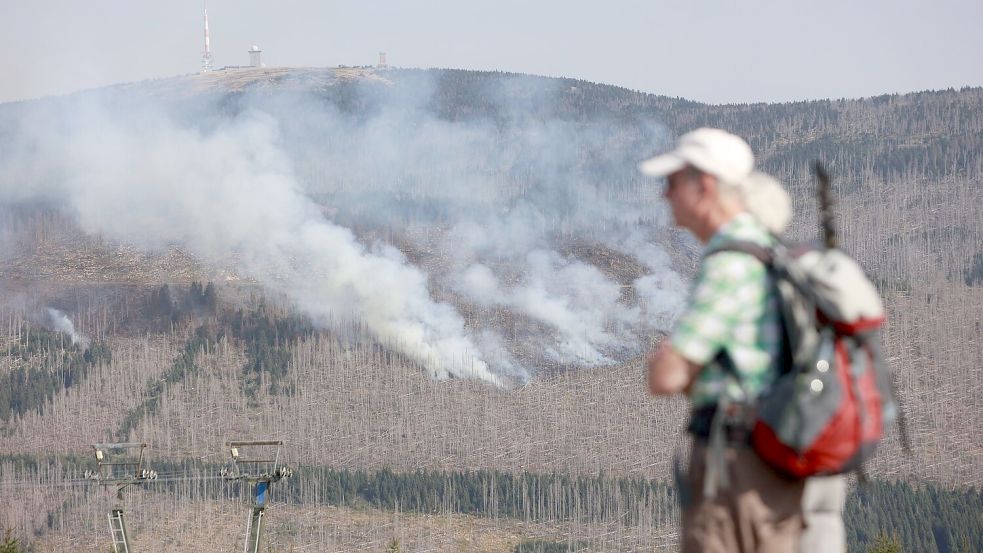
point(732, 307)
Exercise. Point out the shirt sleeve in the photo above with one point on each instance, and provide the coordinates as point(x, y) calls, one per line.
point(727, 285)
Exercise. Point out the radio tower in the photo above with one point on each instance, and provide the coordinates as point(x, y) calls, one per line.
point(206, 58)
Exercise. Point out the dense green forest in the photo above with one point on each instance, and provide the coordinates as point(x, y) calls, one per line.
point(925, 518)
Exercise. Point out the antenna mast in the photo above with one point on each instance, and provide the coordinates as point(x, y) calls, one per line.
point(206, 58)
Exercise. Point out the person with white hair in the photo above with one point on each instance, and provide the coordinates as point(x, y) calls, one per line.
point(731, 499)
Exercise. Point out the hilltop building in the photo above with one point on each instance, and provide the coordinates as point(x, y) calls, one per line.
point(255, 56)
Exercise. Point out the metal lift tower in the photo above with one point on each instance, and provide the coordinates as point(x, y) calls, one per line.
point(115, 463)
point(261, 472)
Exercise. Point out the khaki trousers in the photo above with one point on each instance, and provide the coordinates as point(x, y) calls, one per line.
point(758, 511)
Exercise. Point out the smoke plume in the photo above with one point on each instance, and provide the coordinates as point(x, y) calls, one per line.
point(373, 212)
point(59, 322)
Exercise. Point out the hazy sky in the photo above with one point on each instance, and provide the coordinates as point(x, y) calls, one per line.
point(713, 51)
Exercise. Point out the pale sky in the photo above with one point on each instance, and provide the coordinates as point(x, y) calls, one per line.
point(715, 51)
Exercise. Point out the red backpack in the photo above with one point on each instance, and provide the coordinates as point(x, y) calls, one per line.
point(834, 398)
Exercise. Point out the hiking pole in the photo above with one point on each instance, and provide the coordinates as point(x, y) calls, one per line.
point(826, 218)
point(828, 224)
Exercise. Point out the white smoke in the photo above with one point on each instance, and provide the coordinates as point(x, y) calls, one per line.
point(59, 322)
point(573, 298)
point(660, 292)
point(253, 187)
point(233, 191)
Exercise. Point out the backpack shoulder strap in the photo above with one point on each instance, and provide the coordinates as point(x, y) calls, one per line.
point(761, 253)
point(767, 257)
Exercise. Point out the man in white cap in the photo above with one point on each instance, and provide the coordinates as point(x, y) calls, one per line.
point(731, 500)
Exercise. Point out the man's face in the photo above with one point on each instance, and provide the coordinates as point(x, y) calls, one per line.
point(684, 193)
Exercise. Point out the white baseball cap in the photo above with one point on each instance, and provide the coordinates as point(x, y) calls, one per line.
point(713, 151)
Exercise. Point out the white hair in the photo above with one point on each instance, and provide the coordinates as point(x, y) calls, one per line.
point(764, 198)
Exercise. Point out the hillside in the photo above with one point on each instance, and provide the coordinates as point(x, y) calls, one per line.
point(429, 270)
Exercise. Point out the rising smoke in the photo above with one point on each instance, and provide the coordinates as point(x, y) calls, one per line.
point(60, 322)
point(322, 200)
